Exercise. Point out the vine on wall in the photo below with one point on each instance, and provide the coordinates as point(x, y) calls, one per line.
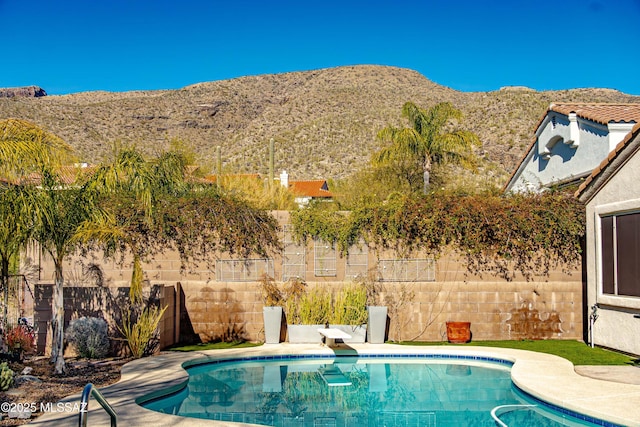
point(502, 234)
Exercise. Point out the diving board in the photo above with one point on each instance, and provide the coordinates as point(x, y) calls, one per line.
point(332, 334)
point(333, 376)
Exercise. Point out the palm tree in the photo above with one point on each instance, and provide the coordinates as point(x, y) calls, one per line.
point(148, 206)
point(25, 149)
point(139, 183)
point(426, 142)
point(59, 210)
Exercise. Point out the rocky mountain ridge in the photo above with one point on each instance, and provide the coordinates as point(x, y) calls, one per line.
point(23, 92)
point(324, 122)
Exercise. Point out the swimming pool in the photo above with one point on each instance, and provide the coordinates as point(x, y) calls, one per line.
point(364, 390)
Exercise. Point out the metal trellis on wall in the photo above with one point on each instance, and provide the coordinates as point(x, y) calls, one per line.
point(17, 301)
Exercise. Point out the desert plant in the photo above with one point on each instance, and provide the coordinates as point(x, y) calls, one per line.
point(293, 291)
point(139, 333)
point(6, 376)
point(374, 288)
point(350, 306)
point(294, 288)
point(397, 303)
point(19, 339)
point(90, 337)
point(272, 295)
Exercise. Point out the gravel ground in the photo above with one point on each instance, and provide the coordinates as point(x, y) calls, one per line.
point(42, 386)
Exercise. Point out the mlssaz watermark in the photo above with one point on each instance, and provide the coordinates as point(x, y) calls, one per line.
point(43, 407)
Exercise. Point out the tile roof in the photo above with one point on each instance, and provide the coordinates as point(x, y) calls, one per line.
point(635, 132)
point(601, 113)
point(316, 188)
point(68, 174)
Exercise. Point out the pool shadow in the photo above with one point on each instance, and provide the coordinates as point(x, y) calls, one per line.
point(344, 350)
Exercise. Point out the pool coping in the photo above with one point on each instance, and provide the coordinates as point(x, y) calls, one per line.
point(547, 377)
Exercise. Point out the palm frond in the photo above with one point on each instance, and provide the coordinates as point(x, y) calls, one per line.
point(25, 148)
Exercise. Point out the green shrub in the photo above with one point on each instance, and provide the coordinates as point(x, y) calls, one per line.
point(310, 308)
point(6, 377)
point(350, 306)
point(90, 337)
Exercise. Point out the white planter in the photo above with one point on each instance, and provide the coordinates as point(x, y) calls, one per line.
point(272, 324)
point(304, 334)
point(377, 324)
point(358, 333)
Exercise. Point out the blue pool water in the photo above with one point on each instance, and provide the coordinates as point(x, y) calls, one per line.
point(359, 391)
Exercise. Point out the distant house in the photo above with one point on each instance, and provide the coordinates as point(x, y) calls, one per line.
point(612, 197)
point(306, 191)
point(570, 142)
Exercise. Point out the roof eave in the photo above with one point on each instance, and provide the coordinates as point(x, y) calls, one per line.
point(608, 167)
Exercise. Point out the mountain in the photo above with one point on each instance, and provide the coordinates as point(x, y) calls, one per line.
point(324, 122)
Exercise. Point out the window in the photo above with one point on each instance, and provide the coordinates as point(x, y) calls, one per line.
point(242, 270)
point(293, 262)
point(620, 249)
point(406, 270)
point(324, 258)
point(357, 261)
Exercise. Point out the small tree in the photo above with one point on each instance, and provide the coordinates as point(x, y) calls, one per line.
point(52, 214)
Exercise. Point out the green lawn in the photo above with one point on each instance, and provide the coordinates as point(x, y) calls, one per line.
point(577, 352)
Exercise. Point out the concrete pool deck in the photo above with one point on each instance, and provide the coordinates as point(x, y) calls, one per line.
point(545, 376)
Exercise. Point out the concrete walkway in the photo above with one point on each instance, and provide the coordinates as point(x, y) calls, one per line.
point(545, 376)
point(619, 374)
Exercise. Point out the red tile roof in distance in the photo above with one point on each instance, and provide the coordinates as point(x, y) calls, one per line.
point(68, 174)
point(316, 188)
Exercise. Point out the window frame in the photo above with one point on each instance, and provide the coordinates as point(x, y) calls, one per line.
point(602, 212)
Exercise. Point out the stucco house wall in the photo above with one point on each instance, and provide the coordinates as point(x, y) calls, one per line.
point(568, 146)
point(613, 190)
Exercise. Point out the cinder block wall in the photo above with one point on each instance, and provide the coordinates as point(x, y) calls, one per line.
point(206, 309)
point(497, 311)
point(201, 311)
point(108, 303)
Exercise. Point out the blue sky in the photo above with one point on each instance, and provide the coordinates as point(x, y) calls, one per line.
point(68, 46)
